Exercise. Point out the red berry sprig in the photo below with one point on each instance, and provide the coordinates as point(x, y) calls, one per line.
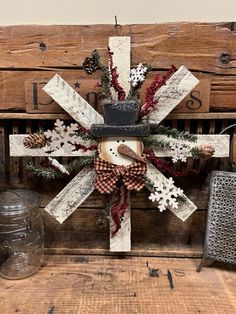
point(150, 102)
point(114, 77)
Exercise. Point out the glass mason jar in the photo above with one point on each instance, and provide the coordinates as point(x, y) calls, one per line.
point(21, 234)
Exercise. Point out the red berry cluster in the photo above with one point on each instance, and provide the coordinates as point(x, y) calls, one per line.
point(114, 77)
point(165, 166)
point(150, 102)
point(160, 164)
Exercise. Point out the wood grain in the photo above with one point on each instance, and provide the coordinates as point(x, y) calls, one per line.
point(120, 46)
point(17, 90)
point(77, 107)
point(172, 93)
point(221, 144)
point(121, 241)
point(172, 116)
point(233, 149)
point(18, 149)
point(158, 44)
point(184, 210)
point(72, 196)
point(94, 284)
point(152, 230)
point(198, 100)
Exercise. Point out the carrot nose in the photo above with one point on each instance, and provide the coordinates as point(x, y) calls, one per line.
point(127, 151)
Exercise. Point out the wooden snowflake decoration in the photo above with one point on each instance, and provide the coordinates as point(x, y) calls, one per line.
point(62, 141)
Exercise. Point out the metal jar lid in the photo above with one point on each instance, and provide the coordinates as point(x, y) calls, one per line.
point(18, 202)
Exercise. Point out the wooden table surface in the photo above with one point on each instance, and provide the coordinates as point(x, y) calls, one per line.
point(113, 284)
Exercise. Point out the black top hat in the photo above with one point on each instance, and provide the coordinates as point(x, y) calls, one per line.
point(120, 118)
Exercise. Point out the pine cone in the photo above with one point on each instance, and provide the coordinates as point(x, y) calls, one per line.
point(206, 150)
point(89, 65)
point(35, 140)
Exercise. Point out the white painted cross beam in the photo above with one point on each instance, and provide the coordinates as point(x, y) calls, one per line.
point(18, 149)
point(72, 196)
point(221, 144)
point(172, 93)
point(120, 46)
point(72, 102)
point(184, 209)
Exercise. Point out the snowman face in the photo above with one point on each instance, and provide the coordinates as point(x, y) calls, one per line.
point(108, 149)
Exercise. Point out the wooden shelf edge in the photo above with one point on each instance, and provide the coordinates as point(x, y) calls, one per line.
point(64, 116)
point(195, 251)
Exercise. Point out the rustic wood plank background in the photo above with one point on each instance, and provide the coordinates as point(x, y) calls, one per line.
point(31, 55)
point(36, 53)
point(101, 285)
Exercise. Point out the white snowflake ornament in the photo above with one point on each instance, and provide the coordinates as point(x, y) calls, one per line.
point(166, 194)
point(137, 75)
point(179, 151)
point(62, 137)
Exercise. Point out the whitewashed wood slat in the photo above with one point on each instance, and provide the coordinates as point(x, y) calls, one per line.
point(172, 93)
point(18, 149)
point(185, 209)
point(72, 102)
point(72, 196)
point(221, 144)
point(121, 241)
point(120, 46)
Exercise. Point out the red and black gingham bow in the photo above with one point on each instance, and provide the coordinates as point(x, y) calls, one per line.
point(108, 174)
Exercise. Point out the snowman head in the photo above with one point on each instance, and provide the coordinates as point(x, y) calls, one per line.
point(108, 149)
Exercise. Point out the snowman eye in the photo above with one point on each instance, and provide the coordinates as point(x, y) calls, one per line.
point(118, 141)
point(123, 141)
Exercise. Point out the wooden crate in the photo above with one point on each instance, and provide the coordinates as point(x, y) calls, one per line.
point(31, 55)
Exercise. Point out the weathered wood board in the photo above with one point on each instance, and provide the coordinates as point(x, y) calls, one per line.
point(22, 90)
point(221, 143)
point(233, 149)
point(185, 209)
point(120, 46)
point(172, 93)
point(153, 233)
point(72, 102)
point(81, 284)
point(211, 46)
point(18, 149)
point(72, 196)
point(37, 100)
point(198, 100)
point(121, 241)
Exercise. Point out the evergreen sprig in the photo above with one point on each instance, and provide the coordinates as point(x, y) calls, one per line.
point(78, 163)
point(181, 199)
point(50, 173)
point(85, 136)
point(159, 144)
point(172, 132)
point(196, 153)
point(148, 182)
point(47, 173)
point(103, 216)
point(105, 80)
